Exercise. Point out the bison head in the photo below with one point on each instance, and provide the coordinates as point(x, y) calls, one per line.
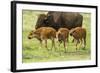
point(41, 22)
point(52, 17)
point(30, 36)
point(48, 19)
point(72, 31)
point(33, 34)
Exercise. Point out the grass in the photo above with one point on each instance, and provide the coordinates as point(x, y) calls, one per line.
point(33, 53)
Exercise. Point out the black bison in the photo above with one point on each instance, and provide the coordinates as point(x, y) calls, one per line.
point(60, 20)
point(44, 33)
point(79, 35)
point(62, 36)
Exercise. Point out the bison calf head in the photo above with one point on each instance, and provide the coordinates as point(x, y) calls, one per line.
point(75, 31)
point(72, 32)
point(32, 34)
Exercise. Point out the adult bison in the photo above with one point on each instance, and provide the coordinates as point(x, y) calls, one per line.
point(59, 20)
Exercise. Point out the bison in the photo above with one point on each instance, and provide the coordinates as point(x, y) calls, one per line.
point(79, 35)
point(62, 36)
point(44, 33)
point(58, 20)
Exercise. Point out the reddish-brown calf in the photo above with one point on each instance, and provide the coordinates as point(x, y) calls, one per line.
point(62, 36)
point(44, 33)
point(79, 35)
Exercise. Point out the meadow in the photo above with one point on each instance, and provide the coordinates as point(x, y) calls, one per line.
point(31, 51)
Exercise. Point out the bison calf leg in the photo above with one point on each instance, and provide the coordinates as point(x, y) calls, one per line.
point(41, 43)
point(81, 43)
point(46, 43)
point(84, 44)
point(76, 46)
point(77, 42)
point(53, 44)
point(65, 47)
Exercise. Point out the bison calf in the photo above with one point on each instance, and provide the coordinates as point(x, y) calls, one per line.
point(79, 35)
point(62, 36)
point(44, 33)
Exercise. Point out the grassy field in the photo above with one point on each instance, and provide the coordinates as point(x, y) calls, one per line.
point(33, 53)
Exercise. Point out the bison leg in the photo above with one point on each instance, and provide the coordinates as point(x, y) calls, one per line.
point(46, 43)
point(41, 43)
point(76, 46)
point(77, 41)
point(84, 43)
point(53, 44)
point(81, 42)
point(65, 45)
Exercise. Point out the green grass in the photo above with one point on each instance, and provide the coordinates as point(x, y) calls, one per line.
point(33, 53)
